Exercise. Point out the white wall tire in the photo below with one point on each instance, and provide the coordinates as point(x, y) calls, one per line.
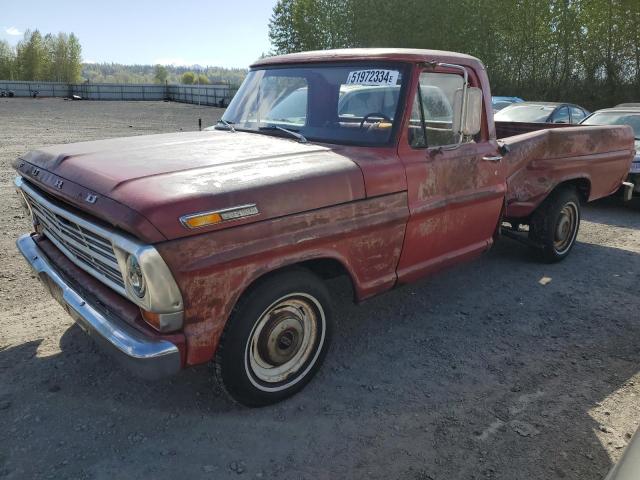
point(555, 224)
point(276, 338)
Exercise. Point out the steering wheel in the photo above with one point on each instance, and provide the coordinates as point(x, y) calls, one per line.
point(374, 115)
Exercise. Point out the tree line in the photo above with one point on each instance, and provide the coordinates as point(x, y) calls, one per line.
point(584, 51)
point(58, 58)
point(55, 58)
point(119, 73)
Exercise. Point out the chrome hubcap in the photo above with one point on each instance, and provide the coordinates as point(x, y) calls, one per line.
point(566, 228)
point(285, 339)
point(281, 338)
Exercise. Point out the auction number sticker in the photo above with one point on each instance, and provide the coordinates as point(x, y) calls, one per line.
point(373, 77)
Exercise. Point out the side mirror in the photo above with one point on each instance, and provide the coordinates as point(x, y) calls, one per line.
point(473, 118)
point(467, 112)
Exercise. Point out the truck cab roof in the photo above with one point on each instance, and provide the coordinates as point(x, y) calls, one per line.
point(410, 55)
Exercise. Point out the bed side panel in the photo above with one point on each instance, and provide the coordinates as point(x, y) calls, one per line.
point(538, 161)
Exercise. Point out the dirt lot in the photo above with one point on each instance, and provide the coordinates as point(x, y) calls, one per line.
point(481, 372)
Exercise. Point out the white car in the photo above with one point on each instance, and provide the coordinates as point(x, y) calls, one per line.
point(622, 116)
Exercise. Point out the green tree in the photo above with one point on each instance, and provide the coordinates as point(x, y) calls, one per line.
point(73, 66)
point(202, 79)
point(297, 25)
point(585, 51)
point(31, 56)
point(283, 30)
point(59, 54)
point(188, 78)
point(7, 61)
point(160, 74)
point(49, 58)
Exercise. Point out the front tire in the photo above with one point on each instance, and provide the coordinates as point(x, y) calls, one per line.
point(276, 338)
point(555, 224)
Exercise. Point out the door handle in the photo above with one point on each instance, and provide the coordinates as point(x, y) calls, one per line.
point(492, 158)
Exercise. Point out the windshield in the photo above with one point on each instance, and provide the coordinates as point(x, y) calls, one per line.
point(351, 104)
point(525, 113)
point(616, 118)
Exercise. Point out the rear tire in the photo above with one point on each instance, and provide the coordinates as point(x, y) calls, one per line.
point(555, 224)
point(276, 338)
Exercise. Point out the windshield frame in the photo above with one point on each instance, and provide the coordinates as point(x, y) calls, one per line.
point(405, 68)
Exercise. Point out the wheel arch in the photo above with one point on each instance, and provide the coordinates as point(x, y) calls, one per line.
point(325, 267)
point(581, 184)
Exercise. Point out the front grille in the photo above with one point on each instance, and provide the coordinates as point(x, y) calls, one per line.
point(85, 247)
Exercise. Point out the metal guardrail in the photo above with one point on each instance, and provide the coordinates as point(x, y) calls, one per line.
point(212, 95)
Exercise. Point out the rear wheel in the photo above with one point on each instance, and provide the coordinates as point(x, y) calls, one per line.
point(554, 225)
point(276, 339)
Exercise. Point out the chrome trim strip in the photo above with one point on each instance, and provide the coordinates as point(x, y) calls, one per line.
point(229, 211)
point(145, 356)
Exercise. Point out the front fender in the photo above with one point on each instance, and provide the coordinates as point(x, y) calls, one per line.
point(214, 269)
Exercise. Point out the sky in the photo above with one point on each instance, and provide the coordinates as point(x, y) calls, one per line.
point(230, 33)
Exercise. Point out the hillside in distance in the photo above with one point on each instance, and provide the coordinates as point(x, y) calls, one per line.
point(119, 73)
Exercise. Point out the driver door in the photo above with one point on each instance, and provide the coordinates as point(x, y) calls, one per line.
point(455, 189)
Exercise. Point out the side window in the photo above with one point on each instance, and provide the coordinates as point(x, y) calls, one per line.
point(577, 115)
point(431, 121)
point(561, 116)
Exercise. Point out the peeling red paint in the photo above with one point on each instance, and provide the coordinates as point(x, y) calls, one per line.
point(540, 160)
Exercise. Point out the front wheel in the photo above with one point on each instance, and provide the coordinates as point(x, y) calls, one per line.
point(276, 338)
point(554, 225)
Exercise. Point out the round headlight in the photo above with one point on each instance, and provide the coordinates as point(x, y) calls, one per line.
point(135, 278)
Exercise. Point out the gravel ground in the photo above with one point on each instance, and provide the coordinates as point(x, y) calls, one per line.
point(481, 372)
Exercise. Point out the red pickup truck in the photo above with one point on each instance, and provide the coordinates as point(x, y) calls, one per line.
point(378, 164)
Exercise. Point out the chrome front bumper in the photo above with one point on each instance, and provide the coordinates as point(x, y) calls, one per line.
point(628, 468)
point(144, 356)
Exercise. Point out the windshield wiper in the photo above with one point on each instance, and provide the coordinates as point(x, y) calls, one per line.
point(301, 138)
point(227, 124)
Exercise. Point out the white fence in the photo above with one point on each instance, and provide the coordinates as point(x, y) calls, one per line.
point(215, 95)
point(46, 89)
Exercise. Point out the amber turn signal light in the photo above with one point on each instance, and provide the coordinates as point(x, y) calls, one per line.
point(203, 220)
point(151, 318)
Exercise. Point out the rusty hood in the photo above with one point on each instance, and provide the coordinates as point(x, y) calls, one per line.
point(164, 177)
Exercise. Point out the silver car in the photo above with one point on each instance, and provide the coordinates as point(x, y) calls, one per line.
point(622, 116)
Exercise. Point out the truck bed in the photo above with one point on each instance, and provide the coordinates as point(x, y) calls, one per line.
point(509, 129)
point(596, 159)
